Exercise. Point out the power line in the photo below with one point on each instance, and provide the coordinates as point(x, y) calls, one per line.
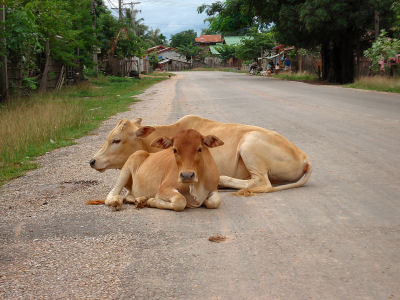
point(111, 4)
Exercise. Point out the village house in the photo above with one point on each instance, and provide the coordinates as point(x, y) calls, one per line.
point(170, 59)
point(205, 42)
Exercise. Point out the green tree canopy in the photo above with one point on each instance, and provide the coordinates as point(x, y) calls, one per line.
point(229, 17)
point(184, 42)
point(250, 47)
point(340, 28)
point(155, 37)
point(183, 38)
point(226, 51)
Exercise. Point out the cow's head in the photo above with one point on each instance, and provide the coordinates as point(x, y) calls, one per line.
point(189, 148)
point(123, 140)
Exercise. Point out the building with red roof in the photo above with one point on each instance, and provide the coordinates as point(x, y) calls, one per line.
point(207, 40)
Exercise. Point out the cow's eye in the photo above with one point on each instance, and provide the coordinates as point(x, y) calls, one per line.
point(175, 151)
point(199, 150)
point(116, 141)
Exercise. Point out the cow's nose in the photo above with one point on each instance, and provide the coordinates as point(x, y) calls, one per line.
point(92, 162)
point(187, 175)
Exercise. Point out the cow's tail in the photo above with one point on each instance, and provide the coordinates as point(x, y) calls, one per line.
point(95, 202)
point(268, 189)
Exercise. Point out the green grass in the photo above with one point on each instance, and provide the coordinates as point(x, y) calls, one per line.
point(161, 74)
point(377, 83)
point(30, 127)
point(297, 76)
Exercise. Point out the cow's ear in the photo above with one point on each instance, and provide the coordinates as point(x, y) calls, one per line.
point(137, 121)
point(144, 131)
point(162, 142)
point(212, 141)
point(122, 122)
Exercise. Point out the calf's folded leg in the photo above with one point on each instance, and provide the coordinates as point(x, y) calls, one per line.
point(168, 198)
point(213, 200)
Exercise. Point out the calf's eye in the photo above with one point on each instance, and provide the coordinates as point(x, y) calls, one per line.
point(199, 150)
point(116, 141)
point(175, 151)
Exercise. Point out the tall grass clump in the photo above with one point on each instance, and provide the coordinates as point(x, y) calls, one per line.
point(30, 127)
point(303, 76)
point(377, 83)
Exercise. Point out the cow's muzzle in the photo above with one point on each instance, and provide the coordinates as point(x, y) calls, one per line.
point(187, 177)
point(92, 162)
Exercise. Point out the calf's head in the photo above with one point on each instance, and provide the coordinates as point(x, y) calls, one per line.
point(190, 151)
point(123, 140)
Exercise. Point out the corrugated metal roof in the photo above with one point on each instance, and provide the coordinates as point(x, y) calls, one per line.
point(217, 38)
point(164, 61)
point(166, 49)
point(213, 50)
point(156, 48)
point(236, 40)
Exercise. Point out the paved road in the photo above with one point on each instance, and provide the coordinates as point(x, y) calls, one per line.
point(336, 238)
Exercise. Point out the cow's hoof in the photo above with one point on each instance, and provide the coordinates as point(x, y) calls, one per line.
point(130, 199)
point(115, 201)
point(141, 202)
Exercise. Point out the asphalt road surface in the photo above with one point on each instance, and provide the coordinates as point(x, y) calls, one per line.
point(338, 237)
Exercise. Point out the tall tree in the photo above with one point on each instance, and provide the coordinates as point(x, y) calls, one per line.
point(155, 37)
point(229, 17)
point(183, 38)
point(250, 47)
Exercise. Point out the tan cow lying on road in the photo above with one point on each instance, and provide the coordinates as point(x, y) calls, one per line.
point(251, 158)
point(182, 175)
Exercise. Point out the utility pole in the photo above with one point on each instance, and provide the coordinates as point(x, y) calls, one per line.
point(120, 3)
point(95, 61)
point(120, 9)
point(133, 14)
point(4, 75)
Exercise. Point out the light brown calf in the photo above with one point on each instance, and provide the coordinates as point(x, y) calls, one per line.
point(251, 158)
point(182, 175)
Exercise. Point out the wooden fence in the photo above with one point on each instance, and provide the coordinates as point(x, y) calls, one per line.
point(122, 67)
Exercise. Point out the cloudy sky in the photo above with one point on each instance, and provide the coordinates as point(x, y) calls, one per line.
point(170, 16)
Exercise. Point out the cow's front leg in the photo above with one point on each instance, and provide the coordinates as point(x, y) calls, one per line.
point(213, 200)
point(168, 199)
point(129, 198)
point(114, 199)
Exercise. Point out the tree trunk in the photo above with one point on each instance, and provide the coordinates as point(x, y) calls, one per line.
point(325, 60)
point(338, 61)
point(346, 61)
point(43, 82)
point(377, 31)
point(95, 59)
point(3, 73)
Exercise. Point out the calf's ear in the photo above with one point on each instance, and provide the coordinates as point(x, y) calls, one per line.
point(144, 131)
point(212, 141)
point(162, 142)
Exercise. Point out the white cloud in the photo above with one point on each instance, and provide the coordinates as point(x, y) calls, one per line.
point(170, 16)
